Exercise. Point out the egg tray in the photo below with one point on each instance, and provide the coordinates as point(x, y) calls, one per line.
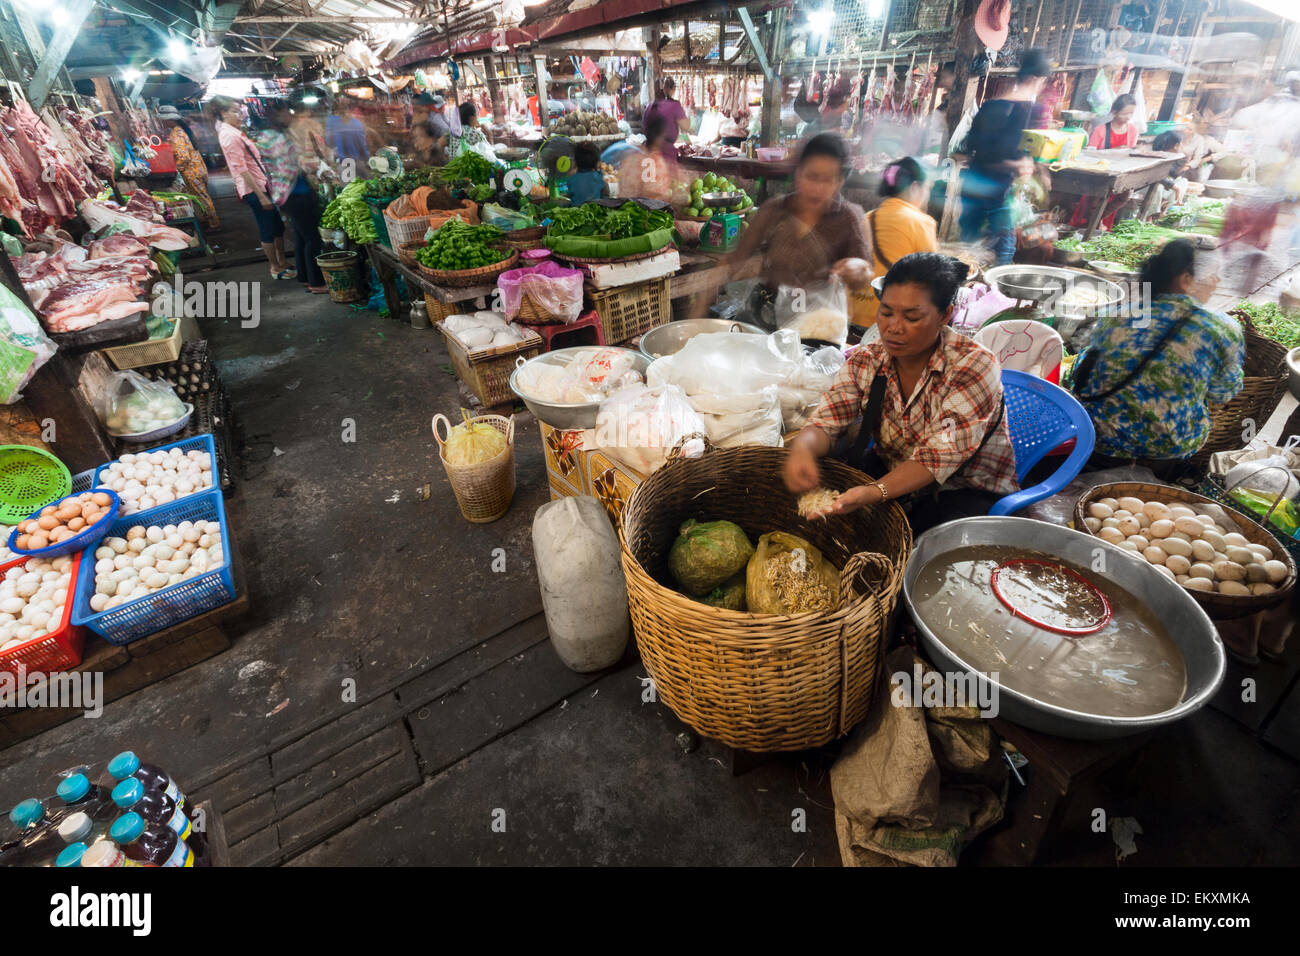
point(191, 376)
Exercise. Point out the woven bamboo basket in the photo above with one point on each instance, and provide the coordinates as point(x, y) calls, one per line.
point(1221, 607)
point(407, 250)
point(457, 278)
point(533, 314)
point(522, 239)
point(439, 310)
point(486, 371)
point(761, 682)
point(483, 491)
point(1266, 382)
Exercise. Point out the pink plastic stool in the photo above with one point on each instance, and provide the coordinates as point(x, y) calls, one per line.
point(585, 331)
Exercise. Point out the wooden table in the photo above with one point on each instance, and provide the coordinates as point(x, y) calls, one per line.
point(1125, 172)
point(388, 265)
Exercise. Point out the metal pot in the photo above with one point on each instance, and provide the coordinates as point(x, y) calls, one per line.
point(671, 337)
point(1187, 623)
point(1049, 285)
point(561, 414)
point(1066, 257)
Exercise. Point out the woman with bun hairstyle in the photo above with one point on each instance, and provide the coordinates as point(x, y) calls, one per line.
point(900, 225)
point(929, 397)
point(1148, 381)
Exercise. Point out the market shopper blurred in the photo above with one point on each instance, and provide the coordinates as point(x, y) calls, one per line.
point(251, 182)
point(813, 232)
point(345, 133)
point(996, 160)
point(647, 172)
point(189, 165)
point(291, 190)
point(929, 397)
point(1148, 381)
point(900, 225)
point(1118, 132)
point(673, 115)
point(308, 135)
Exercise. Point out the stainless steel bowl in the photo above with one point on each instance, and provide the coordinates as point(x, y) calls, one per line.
point(722, 200)
point(669, 338)
point(1066, 257)
point(567, 415)
point(1293, 368)
point(1187, 624)
point(1114, 271)
point(1047, 284)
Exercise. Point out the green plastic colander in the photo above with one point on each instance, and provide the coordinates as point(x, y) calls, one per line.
point(29, 480)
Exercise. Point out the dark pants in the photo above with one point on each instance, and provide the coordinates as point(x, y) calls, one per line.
point(985, 204)
point(930, 507)
point(1168, 470)
point(303, 210)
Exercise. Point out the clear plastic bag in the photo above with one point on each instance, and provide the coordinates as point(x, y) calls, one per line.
point(818, 312)
point(127, 403)
point(639, 426)
point(24, 347)
point(551, 286)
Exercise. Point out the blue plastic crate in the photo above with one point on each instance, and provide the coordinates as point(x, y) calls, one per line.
point(84, 481)
point(181, 601)
point(202, 442)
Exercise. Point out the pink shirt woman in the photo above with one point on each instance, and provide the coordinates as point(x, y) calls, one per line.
point(242, 158)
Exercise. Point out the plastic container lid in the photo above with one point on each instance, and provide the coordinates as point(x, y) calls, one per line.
point(127, 793)
point(127, 827)
point(76, 827)
point(71, 855)
point(71, 789)
point(27, 813)
point(103, 853)
point(124, 764)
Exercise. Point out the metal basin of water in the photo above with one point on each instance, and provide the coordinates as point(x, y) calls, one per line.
point(567, 415)
point(671, 337)
point(1187, 624)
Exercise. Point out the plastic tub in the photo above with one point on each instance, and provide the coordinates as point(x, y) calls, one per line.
point(83, 539)
point(202, 442)
point(58, 650)
point(771, 154)
point(154, 612)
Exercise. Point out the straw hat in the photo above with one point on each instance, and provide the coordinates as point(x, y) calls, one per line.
point(992, 21)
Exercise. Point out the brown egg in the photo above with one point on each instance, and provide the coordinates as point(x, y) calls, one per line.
point(101, 499)
point(49, 510)
point(23, 541)
point(39, 540)
point(48, 522)
point(58, 534)
point(28, 526)
point(77, 523)
point(68, 512)
point(93, 516)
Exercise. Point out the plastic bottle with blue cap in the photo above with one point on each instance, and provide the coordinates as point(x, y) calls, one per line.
point(127, 764)
point(78, 793)
point(160, 846)
point(157, 808)
point(36, 839)
point(71, 855)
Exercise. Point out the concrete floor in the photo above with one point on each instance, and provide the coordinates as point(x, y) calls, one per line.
point(394, 701)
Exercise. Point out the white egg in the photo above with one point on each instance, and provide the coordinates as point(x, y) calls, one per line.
point(118, 545)
point(1276, 570)
point(98, 602)
point(1177, 564)
point(123, 560)
point(153, 535)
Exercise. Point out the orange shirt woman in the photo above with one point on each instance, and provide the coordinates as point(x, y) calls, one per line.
point(899, 226)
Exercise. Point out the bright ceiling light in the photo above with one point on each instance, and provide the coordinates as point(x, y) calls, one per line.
point(58, 16)
point(176, 48)
point(875, 9)
point(1285, 9)
point(310, 100)
point(131, 74)
point(820, 20)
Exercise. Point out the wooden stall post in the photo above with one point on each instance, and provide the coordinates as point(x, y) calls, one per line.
point(968, 47)
point(495, 91)
point(543, 90)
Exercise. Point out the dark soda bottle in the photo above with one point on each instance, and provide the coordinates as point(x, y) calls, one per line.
point(71, 855)
point(157, 808)
point(127, 764)
point(145, 844)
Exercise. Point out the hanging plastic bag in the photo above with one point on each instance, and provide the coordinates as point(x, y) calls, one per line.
point(127, 403)
point(957, 142)
point(818, 312)
point(639, 426)
point(550, 285)
point(1101, 96)
point(24, 346)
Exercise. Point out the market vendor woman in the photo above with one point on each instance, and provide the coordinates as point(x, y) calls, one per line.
point(929, 397)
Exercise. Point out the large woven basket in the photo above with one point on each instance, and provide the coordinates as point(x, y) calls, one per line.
point(1221, 607)
point(463, 278)
point(1266, 382)
point(484, 491)
point(761, 682)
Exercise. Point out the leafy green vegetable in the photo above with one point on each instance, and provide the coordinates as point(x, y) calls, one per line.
point(1273, 322)
point(349, 212)
point(592, 220)
point(456, 246)
point(398, 185)
point(1130, 242)
point(468, 166)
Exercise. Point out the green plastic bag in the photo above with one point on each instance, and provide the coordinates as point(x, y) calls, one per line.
point(706, 555)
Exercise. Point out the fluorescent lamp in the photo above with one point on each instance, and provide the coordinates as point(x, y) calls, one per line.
point(820, 20)
point(130, 74)
point(1286, 9)
point(176, 48)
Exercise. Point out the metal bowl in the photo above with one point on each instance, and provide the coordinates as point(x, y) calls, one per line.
point(1187, 624)
point(671, 337)
point(1224, 188)
point(1048, 284)
point(561, 414)
point(1066, 257)
point(1115, 271)
point(1293, 368)
point(722, 200)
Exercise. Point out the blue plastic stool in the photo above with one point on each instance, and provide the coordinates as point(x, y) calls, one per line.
point(1040, 416)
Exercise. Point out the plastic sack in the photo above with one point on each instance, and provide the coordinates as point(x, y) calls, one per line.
point(735, 420)
point(818, 312)
point(1101, 96)
point(24, 346)
point(505, 219)
point(639, 426)
point(707, 554)
point(787, 575)
point(127, 403)
point(550, 285)
point(473, 443)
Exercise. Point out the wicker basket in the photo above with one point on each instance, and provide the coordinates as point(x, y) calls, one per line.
point(521, 239)
point(148, 352)
point(534, 314)
point(1266, 382)
point(463, 278)
point(401, 231)
point(1221, 607)
point(630, 310)
point(486, 372)
point(439, 310)
point(761, 682)
point(484, 491)
point(407, 250)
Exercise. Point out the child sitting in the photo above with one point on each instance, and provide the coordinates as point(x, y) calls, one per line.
point(587, 183)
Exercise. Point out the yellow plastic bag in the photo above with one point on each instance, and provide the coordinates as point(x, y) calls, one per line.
point(472, 443)
point(787, 575)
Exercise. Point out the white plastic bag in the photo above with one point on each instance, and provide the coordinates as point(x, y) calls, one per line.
point(818, 312)
point(741, 420)
point(129, 404)
point(639, 426)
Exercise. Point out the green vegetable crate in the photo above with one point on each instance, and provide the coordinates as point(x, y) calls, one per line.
point(631, 310)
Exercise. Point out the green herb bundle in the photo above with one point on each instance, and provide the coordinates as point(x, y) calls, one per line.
point(594, 221)
point(456, 246)
point(1273, 322)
